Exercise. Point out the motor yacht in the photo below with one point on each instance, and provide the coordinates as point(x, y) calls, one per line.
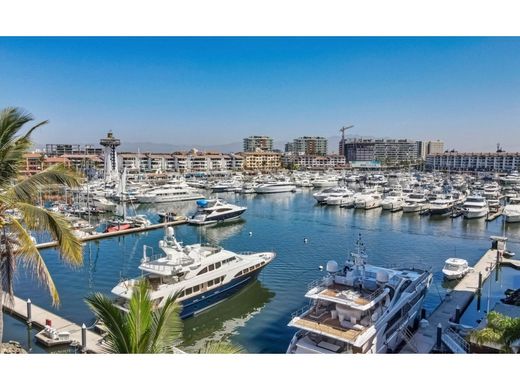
point(170, 193)
point(475, 206)
point(415, 202)
point(215, 210)
point(394, 201)
point(512, 210)
point(442, 205)
point(360, 308)
point(275, 187)
point(201, 275)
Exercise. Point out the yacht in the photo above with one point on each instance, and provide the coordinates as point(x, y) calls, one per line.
point(415, 202)
point(345, 199)
point(512, 210)
point(442, 205)
point(215, 210)
point(475, 206)
point(275, 187)
point(321, 196)
point(170, 193)
point(325, 181)
point(394, 201)
point(455, 268)
point(368, 201)
point(201, 275)
point(359, 308)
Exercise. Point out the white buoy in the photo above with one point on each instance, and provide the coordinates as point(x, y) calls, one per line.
point(305, 240)
point(320, 268)
point(250, 233)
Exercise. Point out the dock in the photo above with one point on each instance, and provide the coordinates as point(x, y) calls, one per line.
point(494, 215)
point(424, 339)
point(99, 236)
point(40, 316)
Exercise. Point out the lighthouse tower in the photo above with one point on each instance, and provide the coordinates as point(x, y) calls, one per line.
point(110, 144)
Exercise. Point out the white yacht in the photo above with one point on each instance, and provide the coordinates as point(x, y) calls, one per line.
point(394, 201)
point(345, 199)
point(368, 201)
point(512, 210)
point(201, 275)
point(103, 204)
point(442, 205)
point(513, 178)
point(215, 210)
point(415, 202)
point(475, 206)
point(455, 268)
point(359, 308)
point(170, 193)
point(275, 187)
point(325, 181)
point(322, 195)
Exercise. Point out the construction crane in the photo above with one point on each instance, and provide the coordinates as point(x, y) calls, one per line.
point(342, 130)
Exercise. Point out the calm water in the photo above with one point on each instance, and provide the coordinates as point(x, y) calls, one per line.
point(257, 317)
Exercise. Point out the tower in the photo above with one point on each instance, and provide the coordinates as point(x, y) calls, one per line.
point(342, 146)
point(110, 143)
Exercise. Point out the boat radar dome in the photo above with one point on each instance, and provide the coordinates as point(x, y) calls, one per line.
point(332, 266)
point(382, 277)
point(169, 231)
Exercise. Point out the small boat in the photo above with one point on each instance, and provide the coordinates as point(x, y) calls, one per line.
point(509, 254)
point(455, 268)
point(215, 210)
point(116, 226)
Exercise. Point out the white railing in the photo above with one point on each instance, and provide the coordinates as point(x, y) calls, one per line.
point(455, 342)
point(316, 283)
point(301, 310)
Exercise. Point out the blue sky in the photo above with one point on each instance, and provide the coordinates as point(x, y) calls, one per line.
point(465, 91)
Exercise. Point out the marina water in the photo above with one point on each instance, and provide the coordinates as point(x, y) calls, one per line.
point(304, 236)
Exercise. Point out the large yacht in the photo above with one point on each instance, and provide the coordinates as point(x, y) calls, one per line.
point(274, 187)
point(512, 210)
point(442, 205)
point(215, 210)
point(202, 275)
point(170, 193)
point(394, 201)
point(475, 206)
point(359, 308)
point(415, 202)
point(368, 201)
point(321, 196)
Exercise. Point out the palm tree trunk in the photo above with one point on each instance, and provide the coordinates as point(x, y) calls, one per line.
point(1, 318)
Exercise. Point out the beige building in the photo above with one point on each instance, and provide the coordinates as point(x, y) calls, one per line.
point(434, 147)
point(262, 161)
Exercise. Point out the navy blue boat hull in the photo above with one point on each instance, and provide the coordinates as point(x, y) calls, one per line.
point(201, 302)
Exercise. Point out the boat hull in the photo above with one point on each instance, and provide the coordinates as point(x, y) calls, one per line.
point(217, 218)
point(202, 302)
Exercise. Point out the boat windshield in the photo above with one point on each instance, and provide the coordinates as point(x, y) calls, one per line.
point(452, 267)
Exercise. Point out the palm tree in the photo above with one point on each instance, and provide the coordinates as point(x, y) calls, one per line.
point(16, 193)
point(143, 329)
point(500, 329)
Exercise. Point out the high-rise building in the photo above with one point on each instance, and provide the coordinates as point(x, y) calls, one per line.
point(314, 146)
point(435, 147)
point(383, 150)
point(422, 148)
point(110, 143)
point(457, 161)
point(256, 143)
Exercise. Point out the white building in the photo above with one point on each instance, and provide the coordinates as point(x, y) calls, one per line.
point(455, 161)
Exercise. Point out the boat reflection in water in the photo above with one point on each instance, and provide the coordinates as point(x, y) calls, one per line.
point(221, 232)
point(223, 321)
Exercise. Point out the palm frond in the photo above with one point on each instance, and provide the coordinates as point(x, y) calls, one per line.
point(118, 335)
point(27, 189)
point(220, 347)
point(40, 219)
point(27, 252)
point(166, 325)
point(139, 317)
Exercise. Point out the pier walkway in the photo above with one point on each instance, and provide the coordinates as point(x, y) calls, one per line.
point(39, 317)
point(100, 236)
point(423, 341)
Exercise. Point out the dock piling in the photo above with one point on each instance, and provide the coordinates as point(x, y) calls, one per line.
point(438, 342)
point(457, 314)
point(29, 311)
point(479, 282)
point(84, 336)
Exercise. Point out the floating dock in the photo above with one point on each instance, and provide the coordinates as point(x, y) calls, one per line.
point(424, 339)
point(100, 236)
point(39, 318)
point(492, 216)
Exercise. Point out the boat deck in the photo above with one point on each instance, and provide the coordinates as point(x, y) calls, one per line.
point(347, 294)
point(329, 326)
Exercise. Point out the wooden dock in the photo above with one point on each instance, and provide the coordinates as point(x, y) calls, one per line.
point(100, 236)
point(423, 341)
point(39, 317)
point(492, 216)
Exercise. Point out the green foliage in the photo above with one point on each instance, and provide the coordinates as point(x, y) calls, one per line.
point(500, 329)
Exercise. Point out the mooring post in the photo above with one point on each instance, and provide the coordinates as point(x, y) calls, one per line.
point(84, 336)
point(29, 311)
point(479, 282)
point(457, 314)
point(439, 336)
point(423, 313)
